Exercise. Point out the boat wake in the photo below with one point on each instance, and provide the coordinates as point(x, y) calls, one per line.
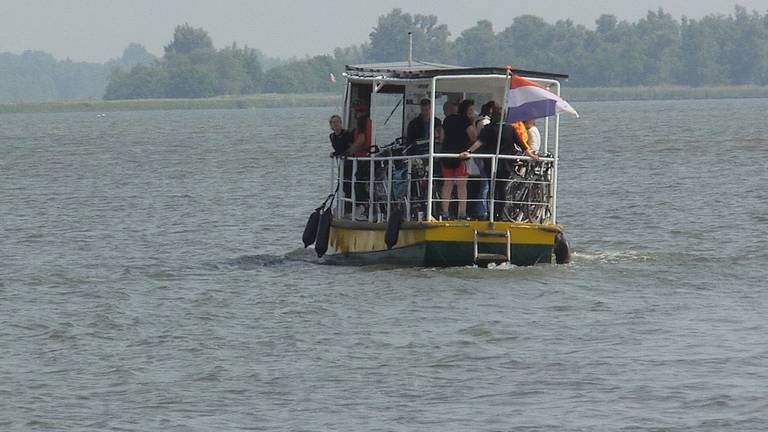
point(246, 262)
point(611, 257)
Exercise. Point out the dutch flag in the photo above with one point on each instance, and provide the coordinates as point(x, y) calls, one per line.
point(527, 100)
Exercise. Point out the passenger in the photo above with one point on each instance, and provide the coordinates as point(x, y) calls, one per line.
point(514, 141)
point(485, 115)
point(361, 144)
point(534, 136)
point(361, 147)
point(481, 169)
point(341, 140)
point(450, 108)
point(459, 133)
point(522, 145)
point(418, 128)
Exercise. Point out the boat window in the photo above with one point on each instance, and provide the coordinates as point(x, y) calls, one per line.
point(359, 93)
point(388, 117)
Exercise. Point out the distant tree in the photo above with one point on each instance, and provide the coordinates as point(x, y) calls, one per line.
point(78, 80)
point(238, 71)
point(524, 43)
point(700, 53)
point(187, 39)
point(190, 68)
point(389, 39)
point(745, 48)
point(268, 62)
point(191, 75)
point(253, 71)
point(136, 54)
point(658, 37)
point(478, 46)
point(191, 82)
point(310, 75)
point(656, 49)
point(27, 77)
point(606, 25)
point(567, 49)
point(350, 55)
point(141, 82)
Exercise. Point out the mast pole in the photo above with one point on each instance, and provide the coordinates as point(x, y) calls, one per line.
point(431, 166)
point(410, 48)
point(495, 160)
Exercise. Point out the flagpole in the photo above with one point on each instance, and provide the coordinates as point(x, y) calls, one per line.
point(495, 160)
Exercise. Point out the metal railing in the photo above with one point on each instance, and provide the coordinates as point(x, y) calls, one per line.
point(371, 188)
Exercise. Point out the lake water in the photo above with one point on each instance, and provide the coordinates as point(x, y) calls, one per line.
point(151, 277)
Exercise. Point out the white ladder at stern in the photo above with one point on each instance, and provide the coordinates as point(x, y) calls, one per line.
point(486, 258)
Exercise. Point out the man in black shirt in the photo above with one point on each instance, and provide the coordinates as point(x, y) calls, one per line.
point(418, 128)
point(512, 143)
point(340, 138)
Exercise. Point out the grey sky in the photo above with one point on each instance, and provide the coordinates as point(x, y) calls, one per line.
point(97, 30)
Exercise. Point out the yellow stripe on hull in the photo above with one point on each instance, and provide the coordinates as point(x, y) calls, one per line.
point(346, 237)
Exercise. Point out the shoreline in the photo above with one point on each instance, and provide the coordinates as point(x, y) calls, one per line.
point(219, 102)
point(272, 100)
point(670, 92)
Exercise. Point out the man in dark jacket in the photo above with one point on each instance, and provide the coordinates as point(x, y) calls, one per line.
point(418, 128)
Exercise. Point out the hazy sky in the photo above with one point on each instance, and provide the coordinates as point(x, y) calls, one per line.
point(97, 30)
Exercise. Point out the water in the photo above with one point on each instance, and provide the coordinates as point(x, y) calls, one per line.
point(151, 278)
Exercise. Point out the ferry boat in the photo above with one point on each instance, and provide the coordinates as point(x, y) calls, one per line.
point(385, 207)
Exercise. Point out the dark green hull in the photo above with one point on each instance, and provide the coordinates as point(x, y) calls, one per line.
point(443, 254)
point(446, 254)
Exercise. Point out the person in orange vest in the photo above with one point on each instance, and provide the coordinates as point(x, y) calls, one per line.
point(361, 143)
point(361, 147)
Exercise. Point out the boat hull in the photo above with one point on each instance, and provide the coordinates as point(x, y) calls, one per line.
point(439, 244)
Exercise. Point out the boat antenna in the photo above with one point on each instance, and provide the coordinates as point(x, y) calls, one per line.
point(410, 48)
point(392, 112)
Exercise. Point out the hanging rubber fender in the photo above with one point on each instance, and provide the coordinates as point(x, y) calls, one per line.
point(562, 249)
point(393, 228)
point(310, 230)
point(323, 233)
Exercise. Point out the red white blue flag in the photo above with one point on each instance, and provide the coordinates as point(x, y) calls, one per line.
point(527, 100)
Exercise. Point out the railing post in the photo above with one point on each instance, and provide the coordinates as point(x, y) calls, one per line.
point(555, 163)
point(389, 189)
point(354, 179)
point(334, 170)
point(408, 192)
point(431, 150)
point(340, 195)
point(371, 188)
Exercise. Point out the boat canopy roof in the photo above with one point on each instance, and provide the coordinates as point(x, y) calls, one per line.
point(419, 70)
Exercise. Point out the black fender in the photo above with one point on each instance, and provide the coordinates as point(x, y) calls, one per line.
point(562, 249)
point(323, 232)
point(310, 229)
point(393, 228)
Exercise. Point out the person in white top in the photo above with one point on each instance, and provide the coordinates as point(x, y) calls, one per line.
point(534, 136)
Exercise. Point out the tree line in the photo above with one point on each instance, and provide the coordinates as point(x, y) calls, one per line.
point(192, 67)
point(654, 50)
point(38, 76)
